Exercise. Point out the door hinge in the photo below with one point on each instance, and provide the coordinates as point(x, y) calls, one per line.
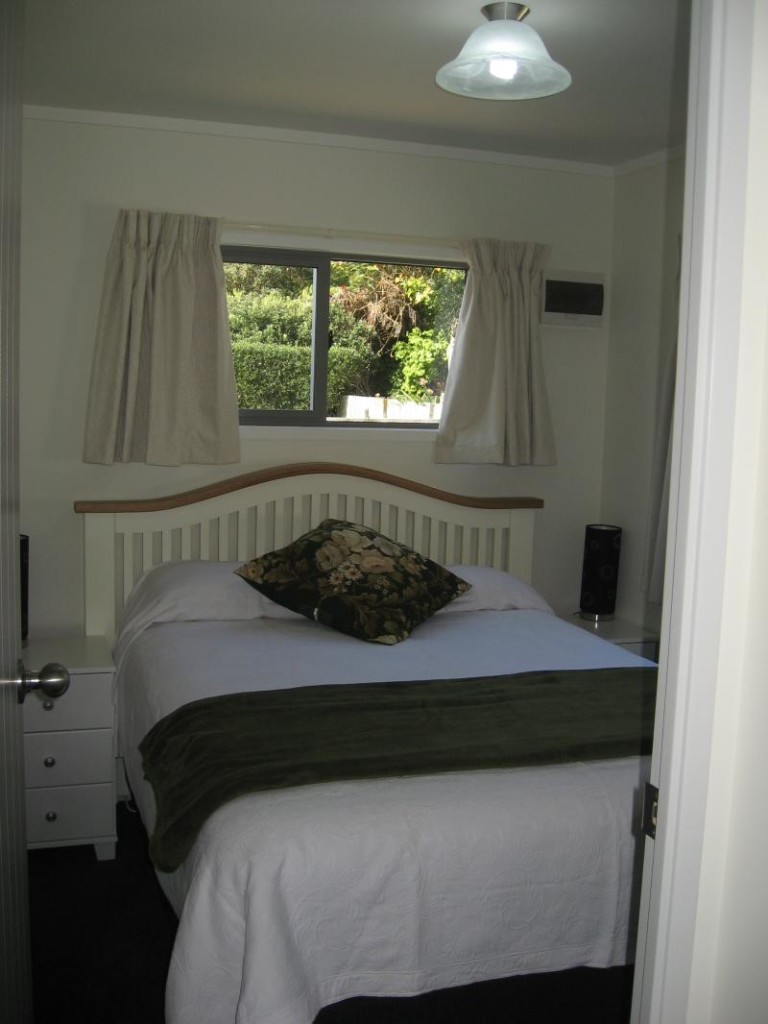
point(650, 810)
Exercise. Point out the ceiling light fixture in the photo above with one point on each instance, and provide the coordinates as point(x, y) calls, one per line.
point(504, 60)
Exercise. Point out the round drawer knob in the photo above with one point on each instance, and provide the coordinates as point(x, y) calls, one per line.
point(51, 816)
point(49, 762)
point(48, 704)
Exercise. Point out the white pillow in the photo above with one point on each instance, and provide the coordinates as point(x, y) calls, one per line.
point(192, 591)
point(494, 590)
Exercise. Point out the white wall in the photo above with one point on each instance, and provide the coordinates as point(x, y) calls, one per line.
point(79, 170)
point(644, 299)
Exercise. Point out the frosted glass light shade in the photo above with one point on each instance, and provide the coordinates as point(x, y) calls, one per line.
point(482, 68)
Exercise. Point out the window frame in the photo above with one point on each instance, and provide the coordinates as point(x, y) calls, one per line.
point(320, 261)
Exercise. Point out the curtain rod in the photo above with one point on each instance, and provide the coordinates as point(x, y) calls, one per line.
point(337, 233)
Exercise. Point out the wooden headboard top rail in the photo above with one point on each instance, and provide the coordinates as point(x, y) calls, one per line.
point(250, 514)
point(261, 476)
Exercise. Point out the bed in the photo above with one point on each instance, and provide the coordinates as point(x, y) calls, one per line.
point(390, 882)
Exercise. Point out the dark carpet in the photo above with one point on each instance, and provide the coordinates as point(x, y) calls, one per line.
point(102, 934)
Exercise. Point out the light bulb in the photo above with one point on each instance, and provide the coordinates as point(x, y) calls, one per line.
point(504, 68)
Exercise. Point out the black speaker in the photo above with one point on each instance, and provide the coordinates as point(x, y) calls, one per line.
point(24, 583)
point(600, 572)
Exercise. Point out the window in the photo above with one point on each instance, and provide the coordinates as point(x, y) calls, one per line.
point(325, 339)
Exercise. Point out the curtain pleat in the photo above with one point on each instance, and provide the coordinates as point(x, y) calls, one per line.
point(162, 380)
point(496, 408)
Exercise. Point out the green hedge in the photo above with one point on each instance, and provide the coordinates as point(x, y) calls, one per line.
point(281, 320)
point(272, 376)
point(271, 318)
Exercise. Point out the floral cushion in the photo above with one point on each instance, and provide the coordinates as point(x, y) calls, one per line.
point(355, 580)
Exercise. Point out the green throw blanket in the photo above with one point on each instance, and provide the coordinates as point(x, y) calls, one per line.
point(213, 750)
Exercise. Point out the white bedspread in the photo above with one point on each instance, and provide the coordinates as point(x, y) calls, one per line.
point(295, 899)
point(298, 900)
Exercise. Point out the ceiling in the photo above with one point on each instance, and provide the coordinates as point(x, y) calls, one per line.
point(367, 68)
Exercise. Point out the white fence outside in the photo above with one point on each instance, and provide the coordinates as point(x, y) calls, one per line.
point(364, 408)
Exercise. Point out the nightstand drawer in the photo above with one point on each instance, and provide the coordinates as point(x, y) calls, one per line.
point(70, 812)
point(87, 704)
point(68, 758)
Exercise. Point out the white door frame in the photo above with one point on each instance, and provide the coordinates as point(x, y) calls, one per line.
point(709, 508)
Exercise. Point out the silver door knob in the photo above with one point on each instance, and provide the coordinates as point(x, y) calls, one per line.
point(52, 680)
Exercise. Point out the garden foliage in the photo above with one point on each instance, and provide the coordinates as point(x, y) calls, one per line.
point(390, 332)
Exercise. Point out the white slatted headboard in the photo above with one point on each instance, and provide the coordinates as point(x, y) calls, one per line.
point(251, 514)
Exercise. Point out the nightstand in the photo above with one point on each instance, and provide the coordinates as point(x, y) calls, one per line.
point(628, 635)
point(69, 748)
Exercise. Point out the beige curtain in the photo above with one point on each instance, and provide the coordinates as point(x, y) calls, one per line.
point(496, 407)
point(162, 380)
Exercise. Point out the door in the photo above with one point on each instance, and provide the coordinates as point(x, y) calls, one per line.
point(15, 970)
point(716, 474)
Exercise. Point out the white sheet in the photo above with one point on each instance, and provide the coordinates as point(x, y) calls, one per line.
point(296, 899)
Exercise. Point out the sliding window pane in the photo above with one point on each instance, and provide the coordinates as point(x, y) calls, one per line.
point(271, 309)
point(392, 329)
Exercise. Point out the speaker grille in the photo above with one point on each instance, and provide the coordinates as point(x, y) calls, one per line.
point(600, 571)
